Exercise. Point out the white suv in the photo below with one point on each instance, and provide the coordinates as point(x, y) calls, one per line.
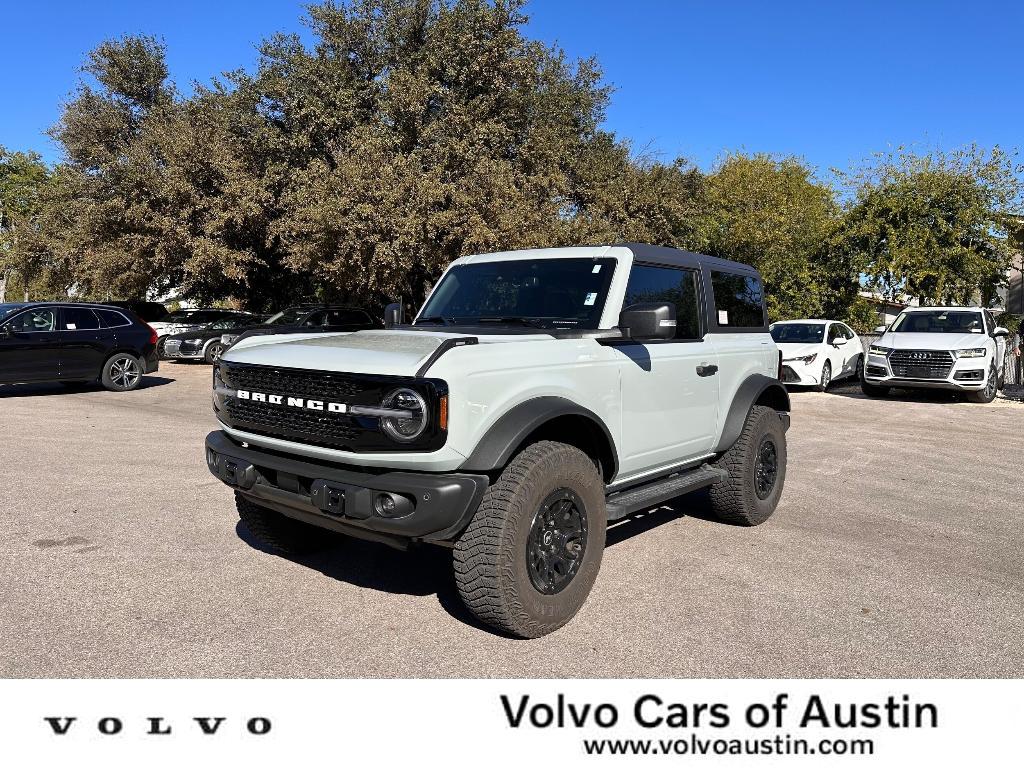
point(958, 348)
point(537, 396)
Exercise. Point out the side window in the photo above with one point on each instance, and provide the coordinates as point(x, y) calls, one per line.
point(990, 319)
point(112, 319)
point(80, 319)
point(315, 320)
point(666, 284)
point(847, 332)
point(34, 321)
point(738, 300)
point(835, 332)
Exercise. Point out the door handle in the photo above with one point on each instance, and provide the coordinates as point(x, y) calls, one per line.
point(706, 370)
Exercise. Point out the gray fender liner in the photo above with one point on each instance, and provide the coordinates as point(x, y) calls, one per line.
point(496, 447)
point(748, 393)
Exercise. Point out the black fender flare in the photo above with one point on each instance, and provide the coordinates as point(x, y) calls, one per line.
point(753, 389)
point(495, 448)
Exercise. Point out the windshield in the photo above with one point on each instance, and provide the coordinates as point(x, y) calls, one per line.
point(179, 317)
point(546, 293)
point(939, 321)
point(6, 309)
point(231, 322)
point(289, 316)
point(798, 333)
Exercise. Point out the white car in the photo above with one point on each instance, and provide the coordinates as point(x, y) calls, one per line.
point(957, 348)
point(817, 352)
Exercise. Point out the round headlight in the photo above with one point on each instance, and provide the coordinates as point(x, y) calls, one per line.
point(405, 429)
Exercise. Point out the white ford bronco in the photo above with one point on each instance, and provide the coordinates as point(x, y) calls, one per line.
point(537, 395)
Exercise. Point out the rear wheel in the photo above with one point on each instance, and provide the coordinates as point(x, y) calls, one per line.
point(122, 372)
point(756, 464)
point(287, 536)
point(871, 390)
point(528, 559)
point(858, 373)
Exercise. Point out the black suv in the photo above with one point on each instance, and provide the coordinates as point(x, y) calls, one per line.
point(75, 343)
point(309, 318)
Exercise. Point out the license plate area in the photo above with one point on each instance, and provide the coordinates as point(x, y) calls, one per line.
point(328, 498)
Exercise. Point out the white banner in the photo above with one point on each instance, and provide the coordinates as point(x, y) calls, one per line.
point(511, 723)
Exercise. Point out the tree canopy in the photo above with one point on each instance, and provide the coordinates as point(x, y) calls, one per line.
point(411, 132)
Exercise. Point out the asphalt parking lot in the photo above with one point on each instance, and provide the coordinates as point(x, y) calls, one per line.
point(897, 551)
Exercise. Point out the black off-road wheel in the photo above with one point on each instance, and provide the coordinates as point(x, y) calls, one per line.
point(988, 394)
point(280, 533)
point(528, 559)
point(873, 390)
point(756, 464)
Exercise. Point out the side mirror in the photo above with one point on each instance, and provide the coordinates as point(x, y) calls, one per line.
point(839, 341)
point(1000, 332)
point(6, 332)
point(394, 314)
point(880, 329)
point(648, 321)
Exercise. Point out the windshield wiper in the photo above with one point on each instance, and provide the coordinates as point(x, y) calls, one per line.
point(531, 322)
point(435, 319)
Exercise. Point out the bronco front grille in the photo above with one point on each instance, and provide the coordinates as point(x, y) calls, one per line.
point(325, 428)
point(921, 363)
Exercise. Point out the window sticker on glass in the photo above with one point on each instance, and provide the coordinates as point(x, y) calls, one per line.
point(72, 327)
point(723, 317)
point(591, 298)
point(597, 268)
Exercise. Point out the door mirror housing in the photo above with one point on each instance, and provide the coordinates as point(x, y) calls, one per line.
point(839, 341)
point(5, 332)
point(650, 321)
point(394, 314)
point(1000, 332)
point(880, 329)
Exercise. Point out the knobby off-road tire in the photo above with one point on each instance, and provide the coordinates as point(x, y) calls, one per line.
point(747, 496)
point(988, 394)
point(496, 559)
point(287, 536)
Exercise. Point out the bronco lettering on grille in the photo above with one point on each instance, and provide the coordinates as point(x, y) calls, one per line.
point(294, 402)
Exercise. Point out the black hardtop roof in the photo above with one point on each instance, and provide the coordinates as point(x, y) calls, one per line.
point(660, 254)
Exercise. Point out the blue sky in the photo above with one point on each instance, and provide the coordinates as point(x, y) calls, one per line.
point(830, 81)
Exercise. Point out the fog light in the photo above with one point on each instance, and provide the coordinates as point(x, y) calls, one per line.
point(391, 505)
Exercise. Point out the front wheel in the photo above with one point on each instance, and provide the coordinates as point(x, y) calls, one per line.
point(826, 376)
point(121, 373)
point(988, 394)
point(531, 554)
point(756, 464)
point(213, 352)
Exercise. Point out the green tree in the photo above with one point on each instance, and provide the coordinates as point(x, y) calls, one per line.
point(932, 226)
point(772, 214)
point(22, 178)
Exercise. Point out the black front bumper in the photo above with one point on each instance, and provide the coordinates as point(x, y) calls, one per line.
point(431, 507)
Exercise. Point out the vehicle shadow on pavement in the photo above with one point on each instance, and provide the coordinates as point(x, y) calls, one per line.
point(902, 395)
point(427, 569)
point(420, 571)
point(47, 390)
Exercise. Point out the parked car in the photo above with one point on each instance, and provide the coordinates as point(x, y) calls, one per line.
point(189, 320)
point(956, 348)
point(537, 396)
point(817, 352)
point(75, 343)
point(205, 343)
point(147, 311)
point(309, 318)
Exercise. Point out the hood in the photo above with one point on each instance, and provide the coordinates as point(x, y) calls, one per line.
point(933, 340)
point(797, 349)
point(387, 353)
point(200, 333)
point(163, 327)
